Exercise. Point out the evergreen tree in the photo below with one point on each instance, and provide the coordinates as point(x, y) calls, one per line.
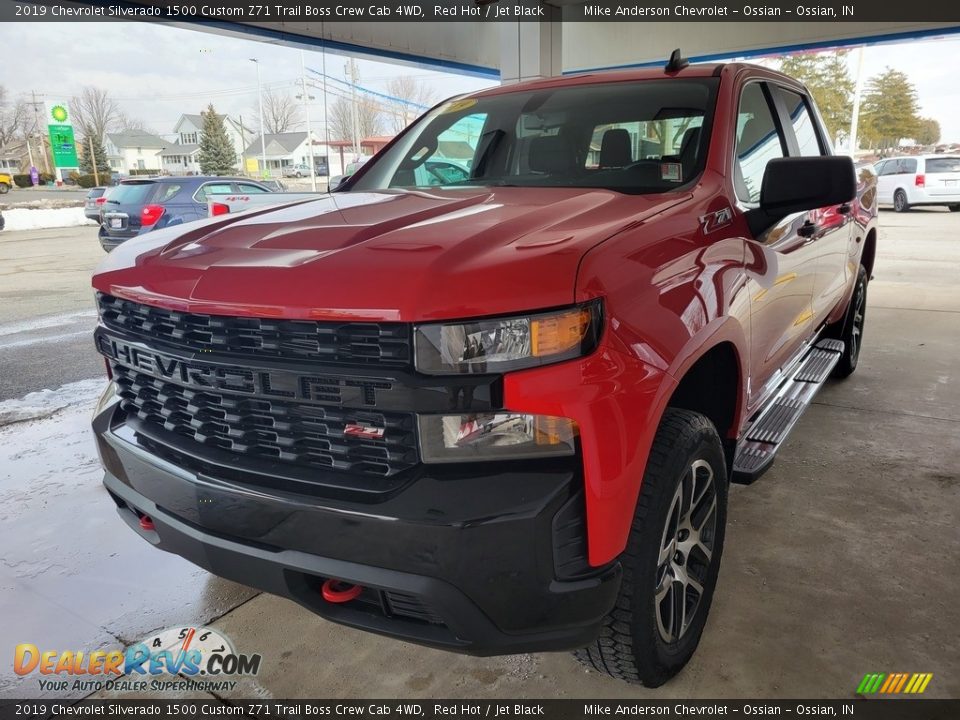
point(889, 110)
point(217, 155)
point(928, 132)
point(99, 154)
point(827, 79)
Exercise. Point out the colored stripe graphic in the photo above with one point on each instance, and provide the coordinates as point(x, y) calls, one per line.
point(894, 683)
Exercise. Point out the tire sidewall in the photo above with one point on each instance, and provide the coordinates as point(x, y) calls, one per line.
point(900, 206)
point(665, 660)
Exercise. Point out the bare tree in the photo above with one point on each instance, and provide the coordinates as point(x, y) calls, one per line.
point(369, 118)
point(95, 112)
point(413, 97)
point(281, 111)
point(126, 122)
point(14, 117)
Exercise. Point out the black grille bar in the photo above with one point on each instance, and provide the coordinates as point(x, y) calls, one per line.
point(303, 435)
point(337, 343)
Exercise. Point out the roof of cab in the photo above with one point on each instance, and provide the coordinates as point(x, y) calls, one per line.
point(612, 76)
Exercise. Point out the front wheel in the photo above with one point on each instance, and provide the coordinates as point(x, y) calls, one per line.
point(672, 558)
point(4, 188)
point(900, 203)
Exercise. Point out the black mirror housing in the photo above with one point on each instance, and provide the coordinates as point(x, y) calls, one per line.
point(805, 183)
point(797, 184)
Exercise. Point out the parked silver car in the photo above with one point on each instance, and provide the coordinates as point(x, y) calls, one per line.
point(905, 182)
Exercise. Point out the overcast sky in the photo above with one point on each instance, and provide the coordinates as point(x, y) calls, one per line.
point(158, 72)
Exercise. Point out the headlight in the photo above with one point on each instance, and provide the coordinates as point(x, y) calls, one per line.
point(494, 436)
point(510, 343)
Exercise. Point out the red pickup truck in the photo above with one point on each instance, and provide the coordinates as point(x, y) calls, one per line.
point(497, 409)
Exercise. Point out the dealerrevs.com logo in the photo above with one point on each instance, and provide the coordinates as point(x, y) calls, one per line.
point(203, 658)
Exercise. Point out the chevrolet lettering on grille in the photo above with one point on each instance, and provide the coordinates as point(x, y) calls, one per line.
point(281, 384)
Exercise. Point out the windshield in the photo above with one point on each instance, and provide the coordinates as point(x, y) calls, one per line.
point(642, 137)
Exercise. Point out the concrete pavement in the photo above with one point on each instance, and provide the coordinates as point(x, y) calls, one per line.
point(840, 561)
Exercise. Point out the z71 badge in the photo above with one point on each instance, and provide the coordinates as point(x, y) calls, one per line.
point(716, 220)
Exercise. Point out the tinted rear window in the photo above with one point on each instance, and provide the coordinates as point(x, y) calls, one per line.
point(943, 165)
point(130, 194)
point(95, 193)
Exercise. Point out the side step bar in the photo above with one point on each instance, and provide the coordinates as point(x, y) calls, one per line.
point(758, 447)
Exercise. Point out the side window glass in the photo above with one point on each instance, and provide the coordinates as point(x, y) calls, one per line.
point(250, 189)
point(803, 124)
point(908, 166)
point(758, 142)
point(167, 191)
point(211, 189)
point(881, 168)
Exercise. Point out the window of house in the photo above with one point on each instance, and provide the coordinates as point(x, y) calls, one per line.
point(758, 142)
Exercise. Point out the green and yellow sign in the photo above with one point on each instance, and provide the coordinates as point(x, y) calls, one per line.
point(63, 145)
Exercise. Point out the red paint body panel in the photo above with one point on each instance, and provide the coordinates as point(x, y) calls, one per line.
point(675, 283)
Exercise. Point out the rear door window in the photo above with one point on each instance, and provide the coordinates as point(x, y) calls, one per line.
point(803, 124)
point(758, 142)
point(943, 165)
point(906, 166)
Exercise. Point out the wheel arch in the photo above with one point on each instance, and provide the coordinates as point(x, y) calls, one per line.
point(869, 251)
point(712, 384)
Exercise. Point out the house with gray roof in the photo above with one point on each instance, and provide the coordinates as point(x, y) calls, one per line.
point(129, 150)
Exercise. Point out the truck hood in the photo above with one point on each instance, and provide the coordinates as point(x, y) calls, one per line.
point(380, 256)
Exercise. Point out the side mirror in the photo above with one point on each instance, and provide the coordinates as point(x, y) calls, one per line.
point(796, 184)
point(339, 182)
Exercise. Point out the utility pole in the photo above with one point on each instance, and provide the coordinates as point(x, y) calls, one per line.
point(243, 146)
point(263, 121)
point(855, 115)
point(93, 159)
point(306, 111)
point(39, 128)
point(351, 70)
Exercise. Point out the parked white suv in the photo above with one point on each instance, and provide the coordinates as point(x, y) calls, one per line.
point(919, 180)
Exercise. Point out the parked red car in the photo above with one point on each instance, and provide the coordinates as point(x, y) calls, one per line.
point(498, 414)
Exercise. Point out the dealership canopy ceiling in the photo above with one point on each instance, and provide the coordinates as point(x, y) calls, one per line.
point(513, 50)
point(517, 50)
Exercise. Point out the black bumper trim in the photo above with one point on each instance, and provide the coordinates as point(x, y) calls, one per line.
point(293, 574)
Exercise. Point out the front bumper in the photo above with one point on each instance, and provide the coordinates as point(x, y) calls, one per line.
point(460, 558)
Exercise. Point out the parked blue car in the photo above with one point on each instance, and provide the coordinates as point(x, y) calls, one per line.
point(139, 205)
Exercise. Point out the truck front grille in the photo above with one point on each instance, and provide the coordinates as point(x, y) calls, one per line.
point(300, 434)
point(338, 343)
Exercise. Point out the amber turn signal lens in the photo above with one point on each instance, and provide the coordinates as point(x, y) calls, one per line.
point(557, 333)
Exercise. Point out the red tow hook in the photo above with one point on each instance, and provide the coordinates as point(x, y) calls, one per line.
point(146, 523)
point(337, 591)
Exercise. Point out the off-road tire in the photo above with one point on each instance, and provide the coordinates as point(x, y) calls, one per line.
point(630, 646)
point(850, 329)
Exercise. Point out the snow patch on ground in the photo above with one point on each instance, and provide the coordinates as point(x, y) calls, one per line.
point(43, 218)
point(44, 403)
point(47, 321)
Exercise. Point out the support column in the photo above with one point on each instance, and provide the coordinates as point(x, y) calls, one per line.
point(530, 50)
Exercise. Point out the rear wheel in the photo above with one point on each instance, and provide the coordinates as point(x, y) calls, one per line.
point(4, 188)
point(900, 203)
point(850, 330)
point(672, 557)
